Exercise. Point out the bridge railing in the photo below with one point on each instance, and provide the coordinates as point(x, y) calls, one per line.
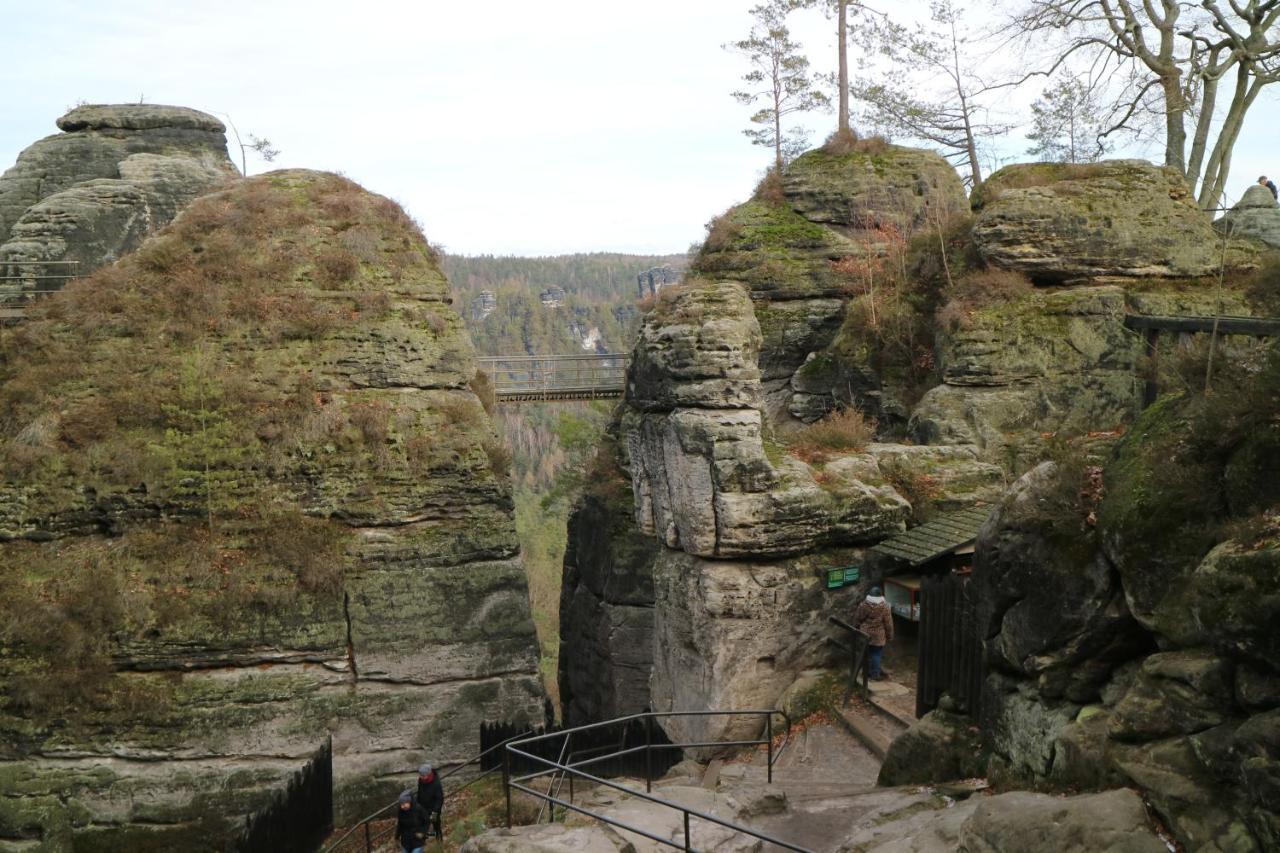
point(23, 282)
point(549, 377)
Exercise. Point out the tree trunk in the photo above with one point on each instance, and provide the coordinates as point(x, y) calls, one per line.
point(1175, 131)
point(1215, 174)
point(777, 135)
point(842, 30)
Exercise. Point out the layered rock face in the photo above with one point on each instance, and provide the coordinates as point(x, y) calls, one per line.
point(117, 174)
point(1256, 215)
point(1138, 649)
point(246, 506)
point(1057, 222)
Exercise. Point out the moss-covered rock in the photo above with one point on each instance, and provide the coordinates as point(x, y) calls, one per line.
point(248, 503)
point(1058, 221)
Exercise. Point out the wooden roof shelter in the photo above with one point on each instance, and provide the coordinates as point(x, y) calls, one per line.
point(931, 540)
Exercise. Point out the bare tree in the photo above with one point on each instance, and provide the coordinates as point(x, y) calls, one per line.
point(779, 77)
point(944, 101)
point(1176, 54)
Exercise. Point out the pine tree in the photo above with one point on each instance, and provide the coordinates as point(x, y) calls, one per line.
point(779, 78)
point(1065, 125)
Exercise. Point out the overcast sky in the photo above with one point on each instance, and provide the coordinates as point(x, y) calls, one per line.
point(504, 127)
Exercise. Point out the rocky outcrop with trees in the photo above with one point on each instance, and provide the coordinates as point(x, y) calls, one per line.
point(116, 174)
point(249, 501)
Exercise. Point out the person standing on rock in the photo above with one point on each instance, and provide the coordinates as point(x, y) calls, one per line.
point(874, 618)
point(1271, 185)
point(431, 795)
point(412, 823)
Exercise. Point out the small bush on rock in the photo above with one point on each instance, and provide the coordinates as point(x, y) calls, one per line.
point(839, 432)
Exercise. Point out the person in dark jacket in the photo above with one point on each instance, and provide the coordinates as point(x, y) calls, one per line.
point(1271, 185)
point(412, 823)
point(874, 618)
point(431, 795)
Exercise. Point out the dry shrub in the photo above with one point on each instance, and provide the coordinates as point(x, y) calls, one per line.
point(920, 490)
point(1263, 287)
point(336, 266)
point(363, 242)
point(872, 145)
point(769, 190)
point(500, 457)
point(981, 289)
point(311, 549)
point(840, 142)
point(482, 387)
point(372, 418)
point(839, 432)
point(721, 231)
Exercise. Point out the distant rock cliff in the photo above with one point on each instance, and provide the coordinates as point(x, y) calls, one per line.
point(117, 174)
point(247, 503)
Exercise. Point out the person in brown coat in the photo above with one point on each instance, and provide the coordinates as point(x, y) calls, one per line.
point(874, 618)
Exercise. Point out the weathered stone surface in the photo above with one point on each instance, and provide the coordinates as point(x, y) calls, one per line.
point(222, 683)
point(1256, 215)
point(1053, 602)
point(1119, 217)
point(1230, 601)
point(1196, 806)
point(699, 347)
point(118, 174)
point(1081, 755)
point(1058, 361)
point(1039, 823)
point(552, 838)
point(793, 329)
point(606, 607)
point(735, 634)
point(1176, 693)
point(939, 747)
point(703, 484)
point(949, 477)
point(899, 189)
point(1020, 728)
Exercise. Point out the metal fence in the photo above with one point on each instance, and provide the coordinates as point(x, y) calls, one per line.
point(950, 644)
point(23, 282)
point(568, 769)
point(299, 818)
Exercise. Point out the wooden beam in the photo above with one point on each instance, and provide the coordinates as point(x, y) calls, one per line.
point(1258, 327)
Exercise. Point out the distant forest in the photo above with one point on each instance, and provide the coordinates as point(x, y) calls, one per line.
point(550, 443)
point(599, 293)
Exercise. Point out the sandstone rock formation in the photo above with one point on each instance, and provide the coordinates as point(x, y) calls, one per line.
point(1256, 215)
point(1138, 650)
point(1058, 222)
point(254, 510)
point(116, 175)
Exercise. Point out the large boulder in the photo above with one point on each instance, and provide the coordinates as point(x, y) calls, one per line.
point(117, 174)
point(248, 516)
point(939, 747)
point(1055, 609)
point(1256, 215)
point(1037, 823)
point(886, 188)
point(1176, 693)
point(736, 634)
point(1058, 221)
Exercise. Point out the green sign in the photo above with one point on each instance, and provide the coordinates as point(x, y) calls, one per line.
point(843, 576)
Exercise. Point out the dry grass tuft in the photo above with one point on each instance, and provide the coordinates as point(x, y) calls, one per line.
point(721, 231)
point(981, 289)
point(844, 431)
point(769, 190)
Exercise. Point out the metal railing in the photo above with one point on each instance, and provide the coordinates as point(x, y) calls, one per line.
point(513, 752)
point(856, 651)
point(363, 836)
point(17, 289)
point(556, 377)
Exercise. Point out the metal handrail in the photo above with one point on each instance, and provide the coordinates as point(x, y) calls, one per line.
point(364, 822)
point(572, 770)
point(859, 645)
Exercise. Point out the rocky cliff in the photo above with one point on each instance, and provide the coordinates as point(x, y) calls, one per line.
point(115, 175)
point(248, 503)
point(1139, 649)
